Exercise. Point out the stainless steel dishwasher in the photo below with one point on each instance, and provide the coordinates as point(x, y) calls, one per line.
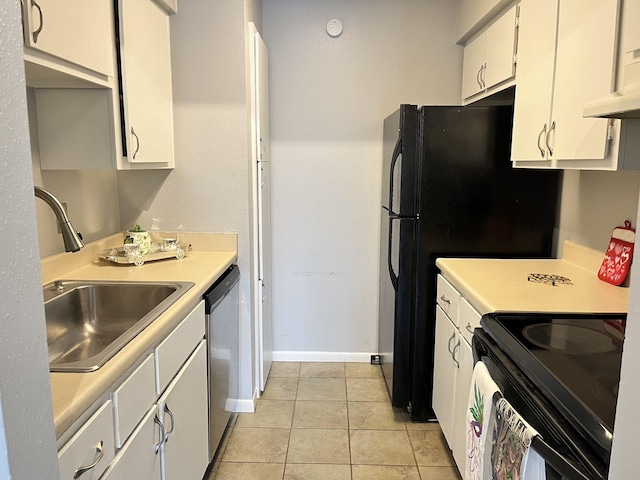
point(222, 331)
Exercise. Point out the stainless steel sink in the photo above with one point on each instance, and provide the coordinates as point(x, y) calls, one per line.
point(89, 322)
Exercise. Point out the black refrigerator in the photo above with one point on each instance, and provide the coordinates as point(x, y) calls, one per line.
point(448, 190)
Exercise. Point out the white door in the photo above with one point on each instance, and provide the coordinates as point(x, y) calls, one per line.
point(464, 356)
point(265, 329)
point(184, 410)
point(536, 57)
point(444, 372)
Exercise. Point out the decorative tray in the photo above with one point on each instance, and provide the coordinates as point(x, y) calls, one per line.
point(157, 251)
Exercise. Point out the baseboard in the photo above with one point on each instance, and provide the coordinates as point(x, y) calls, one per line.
point(355, 357)
point(241, 405)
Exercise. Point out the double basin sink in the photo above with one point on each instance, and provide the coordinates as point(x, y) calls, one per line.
point(89, 322)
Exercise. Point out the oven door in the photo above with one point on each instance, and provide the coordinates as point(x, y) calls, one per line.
point(566, 454)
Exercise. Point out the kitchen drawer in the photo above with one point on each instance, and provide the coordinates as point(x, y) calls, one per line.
point(448, 299)
point(469, 320)
point(132, 400)
point(176, 348)
point(92, 442)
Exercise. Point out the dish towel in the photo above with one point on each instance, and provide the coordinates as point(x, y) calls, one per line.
point(479, 412)
point(511, 454)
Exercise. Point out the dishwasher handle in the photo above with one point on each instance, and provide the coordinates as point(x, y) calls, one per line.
point(221, 288)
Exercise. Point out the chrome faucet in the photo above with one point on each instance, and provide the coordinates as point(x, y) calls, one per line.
point(72, 238)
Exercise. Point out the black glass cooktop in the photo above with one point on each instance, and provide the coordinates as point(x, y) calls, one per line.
point(574, 360)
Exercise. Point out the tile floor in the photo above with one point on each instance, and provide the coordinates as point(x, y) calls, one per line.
point(330, 421)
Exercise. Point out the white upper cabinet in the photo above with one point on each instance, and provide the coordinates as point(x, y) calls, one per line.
point(565, 58)
point(146, 83)
point(79, 32)
point(489, 59)
point(472, 15)
point(631, 15)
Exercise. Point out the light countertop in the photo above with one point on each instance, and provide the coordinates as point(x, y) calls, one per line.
point(492, 285)
point(74, 393)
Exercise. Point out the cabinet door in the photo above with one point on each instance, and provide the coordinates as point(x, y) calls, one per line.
point(534, 80)
point(473, 66)
point(584, 72)
point(631, 32)
point(138, 459)
point(500, 49)
point(184, 411)
point(91, 449)
point(146, 82)
point(444, 373)
point(80, 32)
point(464, 356)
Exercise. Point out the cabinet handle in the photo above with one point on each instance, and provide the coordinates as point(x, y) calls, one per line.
point(483, 69)
point(133, 132)
point(478, 77)
point(542, 132)
point(100, 452)
point(173, 423)
point(264, 292)
point(37, 32)
point(162, 439)
point(445, 300)
point(453, 335)
point(468, 327)
point(553, 127)
point(453, 354)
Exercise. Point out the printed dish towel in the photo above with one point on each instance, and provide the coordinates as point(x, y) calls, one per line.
point(511, 456)
point(479, 411)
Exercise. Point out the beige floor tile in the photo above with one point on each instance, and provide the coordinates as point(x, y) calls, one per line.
point(257, 445)
point(318, 446)
point(366, 390)
point(317, 472)
point(321, 389)
point(378, 472)
point(421, 425)
point(320, 414)
point(439, 473)
point(280, 389)
point(327, 370)
point(381, 447)
point(362, 370)
point(284, 369)
point(249, 471)
point(374, 416)
point(430, 448)
point(269, 413)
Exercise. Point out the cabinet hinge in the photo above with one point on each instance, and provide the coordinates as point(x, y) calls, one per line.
point(515, 58)
point(611, 132)
point(517, 16)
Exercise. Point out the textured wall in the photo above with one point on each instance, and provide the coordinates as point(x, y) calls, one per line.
point(328, 98)
point(24, 370)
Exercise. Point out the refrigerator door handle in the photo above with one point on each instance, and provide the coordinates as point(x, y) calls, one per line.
point(394, 159)
point(392, 274)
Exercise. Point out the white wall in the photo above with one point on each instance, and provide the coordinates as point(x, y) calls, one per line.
point(24, 369)
point(209, 190)
point(91, 196)
point(328, 98)
point(593, 203)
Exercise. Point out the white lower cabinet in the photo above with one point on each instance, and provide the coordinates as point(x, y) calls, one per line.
point(453, 368)
point(90, 450)
point(155, 424)
point(140, 457)
point(185, 453)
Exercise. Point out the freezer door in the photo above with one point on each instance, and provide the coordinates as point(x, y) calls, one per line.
point(400, 162)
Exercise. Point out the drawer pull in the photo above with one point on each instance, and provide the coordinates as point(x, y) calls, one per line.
point(159, 444)
point(445, 300)
point(100, 452)
point(37, 32)
point(173, 423)
point(469, 328)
